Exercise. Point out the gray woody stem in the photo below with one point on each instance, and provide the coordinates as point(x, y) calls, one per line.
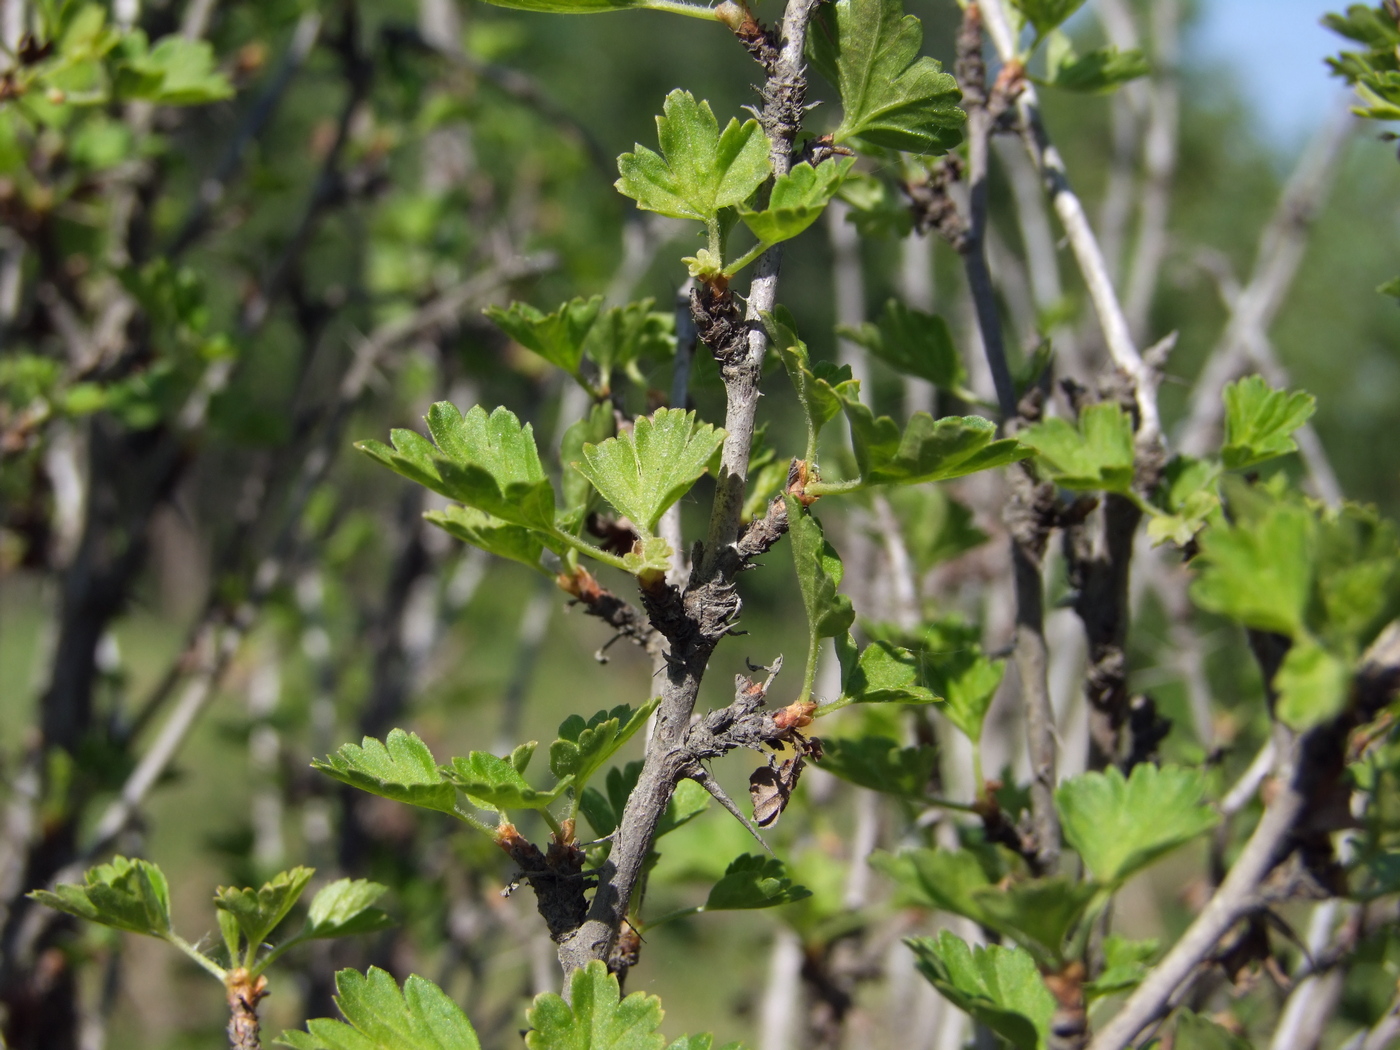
point(1085, 245)
point(710, 589)
point(784, 94)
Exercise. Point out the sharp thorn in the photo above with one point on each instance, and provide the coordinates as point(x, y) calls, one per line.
point(703, 778)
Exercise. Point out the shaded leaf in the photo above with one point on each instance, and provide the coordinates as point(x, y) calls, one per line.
point(1000, 987)
point(627, 334)
point(126, 894)
point(1097, 71)
point(1046, 15)
point(700, 169)
point(819, 572)
point(890, 95)
point(936, 527)
point(1037, 912)
point(494, 783)
point(259, 911)
point(344, 908)
point(955, 667)
point(378, 1016)
point(887, 673)
point(1194, 1032)
point(927, 449)
point(880, 764)
point(644, 472)
point(1119, 825)
point(1125, 964)
point(1260, 572)
point(594, 428)
point(1313, 685)
point(1260, 421)
point(400, 768)
point(490, 533)
point(1185, 499)
point(752, 881)
point(915, 343)
point(583, 746)
point(558, 337)
point(175, 72)
point(797, 200)
point(1096, 455)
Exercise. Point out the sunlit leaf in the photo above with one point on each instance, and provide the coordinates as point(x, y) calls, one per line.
point(927, 449)
point(400, 768)
point(797, 200)
point(999, 987)
point(1095, 455)
point(126, 894)
point(259, 911)
point(380, 1017)
point(583, 746)
point(491, 534)
point(558, 337)
point(1260, 421)
point(819, 571)
point(345, 908)
point(1313, 685)
point(752, 881)
point(494, 783)
point(1259, 573)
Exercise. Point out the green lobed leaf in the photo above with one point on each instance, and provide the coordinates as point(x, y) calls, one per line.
point(915, 343)
point(1126, 963)
point(487, 462)
point(886, 673)
point(596, 1017)
point(1096, 455)
point(890, 95)
point(558, 337)
point(126, 894)
point(175, 72)
point(936, 527)
point(819, 572)
point(1313, 685)
point(700, 169)
point(400, 768)
point(378, 1016)
point(1187, 497)
point(1260, 421)
point(583, 746)
point(644, 472)
point(1259, 573)
point(1097, 71)
point(999, 987)
point(879, 763)
point(490, 533)
point(955, 667)
point(797, 200)
point(1046, 15)
point(258, 912)
point(936, 878)
point(345, 908)
point(1357, 576)
point(492, 782)
point(1120, 825)
point(927, 449)
point(752, 881)
point(819, 387)
point(572, 7)
point(594, 428)
point(627, 334)
point(1037, 912)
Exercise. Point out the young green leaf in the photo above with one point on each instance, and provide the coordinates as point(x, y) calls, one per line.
point(644, 472)
point(1046, 15)
point(594, 428)
point(797, 200)
point(890, 95)
point(1312, 684)
point(595, 1017)
point(999, 987)
point(955, 667)
point(887, 673)
point(604, 811)
point(625, 335)
point(1259, 572)
point(1390, 288)
point(486, 462)
point(927, 449)
point(259, 911)
point(879, 763)
point(344, 908)
point(820, 387)
point(380, 1017)
point(1097, 71)
point(752, 881)
point(1260, 421)
point(915, 343)
point(1125, 965)
point(1187, 497)
point(129, 895)
point(819, 572)
point(1037, 912)
point(399, 768)
point(490, 533)
point(558, 337)
point(175, 72)
point(492, 782)
point(583, 746)
point(1119, 825)
point(1096, 455)
point(700, 169)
